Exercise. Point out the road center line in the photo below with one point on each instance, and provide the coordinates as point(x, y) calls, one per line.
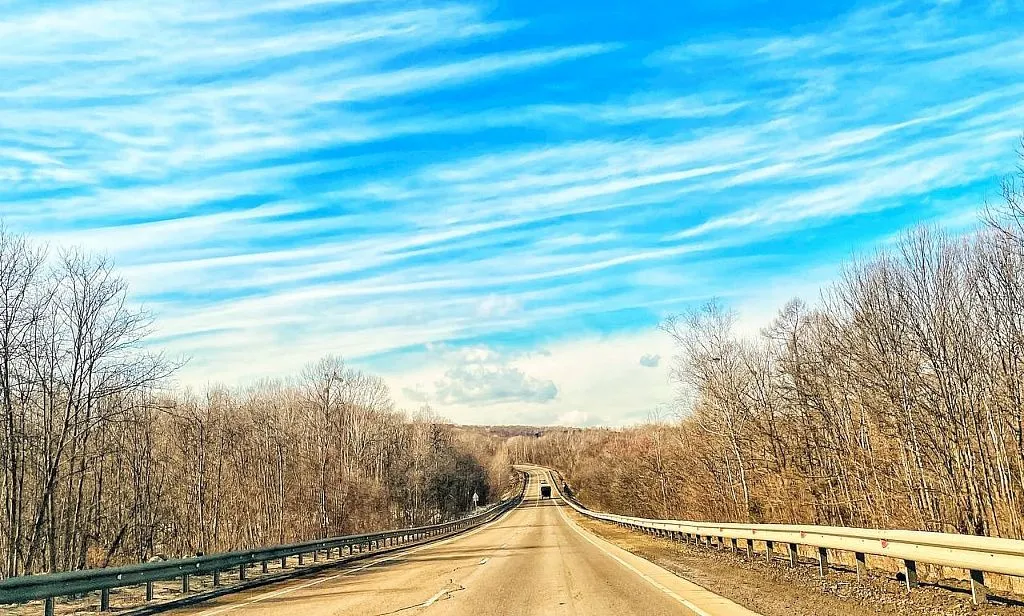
point(434, 599)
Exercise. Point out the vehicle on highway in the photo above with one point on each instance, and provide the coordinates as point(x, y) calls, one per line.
point(545, 491)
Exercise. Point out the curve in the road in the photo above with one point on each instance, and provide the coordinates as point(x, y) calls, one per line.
point(532, 561)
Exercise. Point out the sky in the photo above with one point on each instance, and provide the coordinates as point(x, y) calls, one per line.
point(492, 204)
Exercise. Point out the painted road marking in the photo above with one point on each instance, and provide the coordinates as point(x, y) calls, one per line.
point(647, 578)
point(434, 599)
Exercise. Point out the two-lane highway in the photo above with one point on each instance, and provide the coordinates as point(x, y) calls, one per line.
point(533, 561)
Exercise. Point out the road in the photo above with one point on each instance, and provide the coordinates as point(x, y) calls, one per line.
point(533, 561)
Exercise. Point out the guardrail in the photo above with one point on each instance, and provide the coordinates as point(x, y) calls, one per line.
point(49, 586)
point(975, 554)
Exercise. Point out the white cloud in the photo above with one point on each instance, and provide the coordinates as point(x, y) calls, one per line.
point(598, 381)
point(278, 187)
point(494, 305)
point(650, 360)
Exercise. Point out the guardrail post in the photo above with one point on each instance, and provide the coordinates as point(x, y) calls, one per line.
point(750, 547)
point(48, 606)
point(105, 600)
point(735, 545)
point(979, 592)
point(149, 591)
point(316, 555)
point(822, 562)
point(264, 567)
point(862, 565)
point(184, 583)
point(768, 545)
point(910, 573)
point(241, 572)
point(793, 553)
point(301, 559)
point(284, 562)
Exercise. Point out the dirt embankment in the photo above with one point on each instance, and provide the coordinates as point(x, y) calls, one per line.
point(777, 589)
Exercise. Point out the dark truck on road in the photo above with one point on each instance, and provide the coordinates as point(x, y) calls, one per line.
point(545, 490)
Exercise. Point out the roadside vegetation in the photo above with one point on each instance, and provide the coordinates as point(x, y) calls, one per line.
point(103, 464)
point(895, 400)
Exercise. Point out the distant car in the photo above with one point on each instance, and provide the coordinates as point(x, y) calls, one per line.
point(545, 491)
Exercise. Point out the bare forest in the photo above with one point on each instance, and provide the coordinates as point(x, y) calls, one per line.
point(104, 464)
point(896, 400)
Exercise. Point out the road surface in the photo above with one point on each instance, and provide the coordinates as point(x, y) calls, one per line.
point(534, 561)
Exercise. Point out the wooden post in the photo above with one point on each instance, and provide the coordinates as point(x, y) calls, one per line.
point(241, 572)
point(48, 606)
point(263, 567)
point(149, 591)
point(105, 600)
point(793, 554)
point(184, 583)
point(822, 562)
point(862, 565)
point(735, 546)
point(979, 592)
point(768, 545)
point(284, 562)
point(750, 547)
point(216, 578)
point(301, 559)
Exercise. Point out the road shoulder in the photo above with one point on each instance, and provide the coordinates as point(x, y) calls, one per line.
point(693, 597)
point(780, 590)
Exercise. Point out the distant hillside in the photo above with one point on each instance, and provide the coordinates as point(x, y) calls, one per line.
point(506, 432)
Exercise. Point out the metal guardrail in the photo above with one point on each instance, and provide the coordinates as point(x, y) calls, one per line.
point(975, 554)
point(49, 586)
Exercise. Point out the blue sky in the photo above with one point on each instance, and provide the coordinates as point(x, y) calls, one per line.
point(492, 204)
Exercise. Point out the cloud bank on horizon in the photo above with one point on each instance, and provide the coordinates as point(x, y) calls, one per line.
point(491, 204)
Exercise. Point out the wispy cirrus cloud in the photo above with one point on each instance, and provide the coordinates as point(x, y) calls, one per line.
point(285, 178)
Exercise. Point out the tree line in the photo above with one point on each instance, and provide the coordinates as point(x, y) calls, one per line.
point(897, 400)
point(103, 463)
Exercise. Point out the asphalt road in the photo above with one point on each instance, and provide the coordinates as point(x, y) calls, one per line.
point(533, 561)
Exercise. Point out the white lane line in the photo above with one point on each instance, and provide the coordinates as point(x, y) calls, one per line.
point(647, 578)
point(483, 561)
point(433, 600)
point(290, 589)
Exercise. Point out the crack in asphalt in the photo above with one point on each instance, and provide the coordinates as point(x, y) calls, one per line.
point(444, 594)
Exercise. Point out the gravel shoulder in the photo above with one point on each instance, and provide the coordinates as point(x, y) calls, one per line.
point(780, 590)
